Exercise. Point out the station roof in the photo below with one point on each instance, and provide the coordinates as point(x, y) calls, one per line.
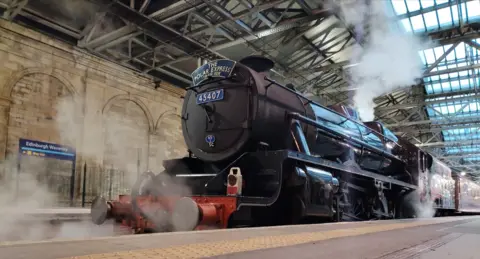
point(310, 41)
point(451, 80)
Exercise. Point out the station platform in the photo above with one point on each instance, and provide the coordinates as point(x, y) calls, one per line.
point(449, 237)
point(50, 223)
point(63, 214)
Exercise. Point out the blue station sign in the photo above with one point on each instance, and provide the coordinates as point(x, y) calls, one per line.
point(44, 149)
point(221, 68)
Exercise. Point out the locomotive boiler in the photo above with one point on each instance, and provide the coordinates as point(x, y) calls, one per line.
point(261, 153)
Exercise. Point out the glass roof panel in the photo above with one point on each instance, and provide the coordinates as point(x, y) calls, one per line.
point(413, 5)
point(453, 72)
point(399, 7)
point(464, 149)
point(472, 158)
point(473, 10)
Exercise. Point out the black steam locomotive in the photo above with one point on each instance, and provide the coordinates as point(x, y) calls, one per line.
point(263, 154)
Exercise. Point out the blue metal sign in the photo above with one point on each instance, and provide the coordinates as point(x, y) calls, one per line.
point(221, 68)
point(45, 149)
point(210, 96)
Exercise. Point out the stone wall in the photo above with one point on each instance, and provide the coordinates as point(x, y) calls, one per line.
point(114, 117)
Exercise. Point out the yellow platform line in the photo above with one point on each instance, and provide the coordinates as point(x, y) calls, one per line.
point(209, 249)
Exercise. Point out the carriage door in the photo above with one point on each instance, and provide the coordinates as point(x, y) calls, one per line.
point(423, 176)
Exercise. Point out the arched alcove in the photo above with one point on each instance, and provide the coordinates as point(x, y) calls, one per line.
point(39, 101)
point(126, 130)
point(168, 142)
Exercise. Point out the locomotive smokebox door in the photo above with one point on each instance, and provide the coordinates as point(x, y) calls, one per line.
point(216, 111)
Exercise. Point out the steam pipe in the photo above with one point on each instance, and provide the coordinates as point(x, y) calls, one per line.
point(299, 137)
point(299, 117)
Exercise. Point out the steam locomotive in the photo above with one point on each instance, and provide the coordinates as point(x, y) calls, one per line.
point(262, 154)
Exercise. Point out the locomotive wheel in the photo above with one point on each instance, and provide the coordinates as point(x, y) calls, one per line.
point(355, 207)
point(298, 210)
point(378, 211)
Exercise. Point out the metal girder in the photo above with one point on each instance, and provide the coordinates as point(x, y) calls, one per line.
point(452, 70)
point(453, 98)
point(154, 28)
point(237, 17)
point(280, 27)
point(441, 58)
point(450, 143)
point(444, 37)
point(473, 43)
point(451, 120)
point(14, 8)
point(432, 8)
point(108, 37)
point(462, 155)
point(434, 128)
point(427, 73)
point(192, 22)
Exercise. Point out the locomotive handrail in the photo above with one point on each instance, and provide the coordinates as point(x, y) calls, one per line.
point(321, 106)
point(297, 116)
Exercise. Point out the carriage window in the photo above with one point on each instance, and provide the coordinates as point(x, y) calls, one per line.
point(421, 161)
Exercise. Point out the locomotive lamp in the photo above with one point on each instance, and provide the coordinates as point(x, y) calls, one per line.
point(234, 182)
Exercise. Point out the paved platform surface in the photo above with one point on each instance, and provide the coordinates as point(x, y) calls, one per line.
point(49, 212)
point(376, 239)
point(41, 224)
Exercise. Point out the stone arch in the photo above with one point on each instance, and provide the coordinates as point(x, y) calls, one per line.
point(17, 76)
point(37, 96)
point(168, 142)
point(127, 124)
point(36, 112)
point(170, 112)
point(134, 99)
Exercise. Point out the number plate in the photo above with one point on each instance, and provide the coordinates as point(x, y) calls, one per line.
point(210, 96)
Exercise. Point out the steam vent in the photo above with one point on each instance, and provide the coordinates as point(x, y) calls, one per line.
point(298, 121)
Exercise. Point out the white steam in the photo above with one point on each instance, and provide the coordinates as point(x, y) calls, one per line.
point(388, 60)
point(118, 141)
point(421, 209)
point(37, 188)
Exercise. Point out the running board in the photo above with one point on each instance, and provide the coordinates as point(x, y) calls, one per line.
point(340, 167)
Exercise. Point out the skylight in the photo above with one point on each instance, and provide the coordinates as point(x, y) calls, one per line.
point(456, 77)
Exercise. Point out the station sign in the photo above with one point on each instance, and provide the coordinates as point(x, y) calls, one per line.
point(44, 149)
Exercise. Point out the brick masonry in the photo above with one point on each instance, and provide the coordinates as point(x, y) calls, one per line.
point(53, 92)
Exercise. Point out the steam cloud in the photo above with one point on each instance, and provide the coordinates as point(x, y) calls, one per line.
point(389, 59)
point(422, 210)
point(121, 136)
point(32, 194)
